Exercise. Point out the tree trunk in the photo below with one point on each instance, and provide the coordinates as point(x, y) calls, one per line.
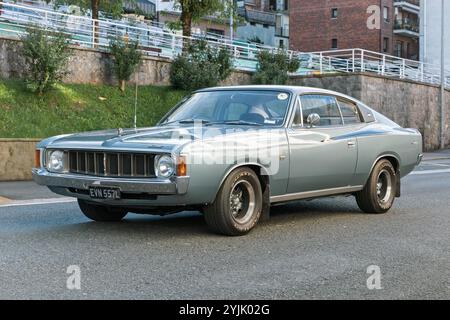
point(95, 7)
point(186, 21)
point(122, 84)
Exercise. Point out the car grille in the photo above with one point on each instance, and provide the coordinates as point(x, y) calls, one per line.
point(109, 164)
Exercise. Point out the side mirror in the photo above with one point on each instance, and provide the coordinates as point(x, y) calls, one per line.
point(313, 119)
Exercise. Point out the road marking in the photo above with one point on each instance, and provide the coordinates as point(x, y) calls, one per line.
point(5, 202)
point(438, 164)
point(33, 202)
point(430, 171)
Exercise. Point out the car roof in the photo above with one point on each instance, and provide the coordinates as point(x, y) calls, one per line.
point(292, 89)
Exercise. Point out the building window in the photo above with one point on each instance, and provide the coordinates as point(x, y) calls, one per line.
point(398, 49)
point(281, 44)
point(334, 43)
point(334, 13)
point(385, 44)
point(386, 14)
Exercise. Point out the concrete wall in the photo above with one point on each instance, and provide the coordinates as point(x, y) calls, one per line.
point(410, 104)
point(89, 66)
point(16, 159)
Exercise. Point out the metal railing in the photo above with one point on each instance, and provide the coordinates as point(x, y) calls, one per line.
point(156, 41)
point(365, 61)
point(407, 24)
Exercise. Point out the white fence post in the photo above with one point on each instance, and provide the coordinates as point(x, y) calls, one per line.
point(353, 60)
point(363, 68)
point(402, 71)
point(421, 71)
point(93, 34)
point(173, 46)
point(321, 62)
point(383, 66)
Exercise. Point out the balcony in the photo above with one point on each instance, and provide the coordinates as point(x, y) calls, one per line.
point(407, 28)
point(282, 32)
point(412, 6)
point(261, 17)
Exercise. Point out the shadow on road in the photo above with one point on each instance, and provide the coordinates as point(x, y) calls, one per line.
point(192, 223)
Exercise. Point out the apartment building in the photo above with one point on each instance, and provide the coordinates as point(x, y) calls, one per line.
point(266, 22)
point(386, 26)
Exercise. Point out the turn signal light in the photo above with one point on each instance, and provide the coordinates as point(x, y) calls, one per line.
point(181, 166)
point(37, 159)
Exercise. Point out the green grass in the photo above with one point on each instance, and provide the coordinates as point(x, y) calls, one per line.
point(78, 107)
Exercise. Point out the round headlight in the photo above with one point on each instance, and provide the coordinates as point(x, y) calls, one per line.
point(56, 161)
point(164, 166)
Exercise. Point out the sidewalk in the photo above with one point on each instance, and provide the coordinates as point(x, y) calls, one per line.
point(28, 190)
point(437, 155)
point(18, 191)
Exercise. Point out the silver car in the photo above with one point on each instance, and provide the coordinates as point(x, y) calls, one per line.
point(231, 153)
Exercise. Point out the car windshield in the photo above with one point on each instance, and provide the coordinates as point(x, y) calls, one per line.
point(257, 107)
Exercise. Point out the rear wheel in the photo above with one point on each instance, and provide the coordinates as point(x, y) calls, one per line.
point(101, 213)
point(238, 204)
point(379, 192)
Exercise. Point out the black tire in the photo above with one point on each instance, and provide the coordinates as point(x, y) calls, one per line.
point(238, 205)
point(379, 192)
point(101, 213)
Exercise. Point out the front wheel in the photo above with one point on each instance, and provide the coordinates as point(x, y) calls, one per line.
point(379, 192)
point(101, 213)
point(238, 204)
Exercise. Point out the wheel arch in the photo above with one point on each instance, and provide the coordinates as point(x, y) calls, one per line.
point(263, 177)
point(394, 159)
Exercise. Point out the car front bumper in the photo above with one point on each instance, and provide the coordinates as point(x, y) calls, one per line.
point(152, 186)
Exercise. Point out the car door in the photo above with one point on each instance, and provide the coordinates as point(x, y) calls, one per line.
point(322, 156)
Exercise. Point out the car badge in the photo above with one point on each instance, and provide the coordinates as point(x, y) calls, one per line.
point(120, 132)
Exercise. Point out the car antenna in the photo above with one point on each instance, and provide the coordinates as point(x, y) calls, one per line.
point(135, 102)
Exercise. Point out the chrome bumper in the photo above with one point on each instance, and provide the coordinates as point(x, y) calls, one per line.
point(419, 158)
point(173, 186)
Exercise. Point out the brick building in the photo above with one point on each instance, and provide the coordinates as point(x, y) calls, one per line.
point(386, 26)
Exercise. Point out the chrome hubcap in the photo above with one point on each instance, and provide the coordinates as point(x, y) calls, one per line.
point(384, 186)
point(242, 201)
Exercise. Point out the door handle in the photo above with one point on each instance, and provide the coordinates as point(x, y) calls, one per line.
point(351, 144)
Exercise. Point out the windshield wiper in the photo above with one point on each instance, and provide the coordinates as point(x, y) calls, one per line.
point(186, 121)
point(237, 122)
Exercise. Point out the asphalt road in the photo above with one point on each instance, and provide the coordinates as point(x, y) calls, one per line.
point(317, 249)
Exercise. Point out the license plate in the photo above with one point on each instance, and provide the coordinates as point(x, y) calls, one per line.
point(104, 193)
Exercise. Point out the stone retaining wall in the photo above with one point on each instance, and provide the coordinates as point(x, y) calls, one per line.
point(16, 158)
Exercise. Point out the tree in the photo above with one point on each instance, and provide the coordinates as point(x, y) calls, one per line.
point(126, 57)
point(200, 67)
point(192, 10)
point(273, 67)
point(46, 55)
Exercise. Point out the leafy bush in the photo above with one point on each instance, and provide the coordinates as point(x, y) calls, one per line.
point(273, 67)
point(126, 58)
point(200, 66)
point(46, 55)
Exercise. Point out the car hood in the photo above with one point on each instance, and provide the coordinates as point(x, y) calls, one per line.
point(163, 138)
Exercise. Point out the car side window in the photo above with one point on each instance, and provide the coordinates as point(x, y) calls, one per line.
point(297, 122)
point(349, 112)
point(325, 106)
